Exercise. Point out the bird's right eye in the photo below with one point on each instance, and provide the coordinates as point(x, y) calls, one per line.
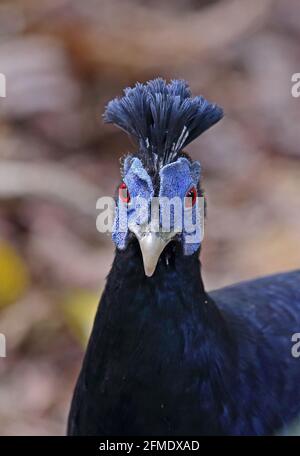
point(124, 193)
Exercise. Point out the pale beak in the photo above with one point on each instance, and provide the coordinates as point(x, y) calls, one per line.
point(152, 244)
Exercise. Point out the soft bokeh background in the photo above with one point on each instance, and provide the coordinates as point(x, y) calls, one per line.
point(63, 61)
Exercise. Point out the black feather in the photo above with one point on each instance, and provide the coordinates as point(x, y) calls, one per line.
point(162, 117)
point(166, 358)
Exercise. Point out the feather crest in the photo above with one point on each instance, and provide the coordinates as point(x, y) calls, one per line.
point(162, 117)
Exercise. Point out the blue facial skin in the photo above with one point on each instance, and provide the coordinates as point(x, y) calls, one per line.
point(139, 184)
point(176, 179)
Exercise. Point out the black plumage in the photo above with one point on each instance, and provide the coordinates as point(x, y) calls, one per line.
point(166, 358)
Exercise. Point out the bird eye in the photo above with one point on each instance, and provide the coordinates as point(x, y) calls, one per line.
point(124, 193)
point(190, 198)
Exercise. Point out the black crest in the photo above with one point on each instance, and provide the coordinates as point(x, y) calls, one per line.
point(162, 117)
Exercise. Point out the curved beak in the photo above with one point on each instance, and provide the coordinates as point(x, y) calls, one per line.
point(152, 245)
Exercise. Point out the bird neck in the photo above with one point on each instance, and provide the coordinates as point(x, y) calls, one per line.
point(159, 349)
point(172, 306)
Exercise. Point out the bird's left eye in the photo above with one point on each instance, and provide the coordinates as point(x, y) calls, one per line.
point(190, 198)
point(124, 193)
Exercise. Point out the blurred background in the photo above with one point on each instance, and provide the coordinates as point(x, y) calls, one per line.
point(63, 61)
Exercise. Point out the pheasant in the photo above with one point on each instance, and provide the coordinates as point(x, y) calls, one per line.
point(164, 356)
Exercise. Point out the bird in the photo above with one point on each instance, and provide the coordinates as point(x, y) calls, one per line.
point(164, 356)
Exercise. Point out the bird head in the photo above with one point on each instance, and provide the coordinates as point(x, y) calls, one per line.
point(160, 199)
